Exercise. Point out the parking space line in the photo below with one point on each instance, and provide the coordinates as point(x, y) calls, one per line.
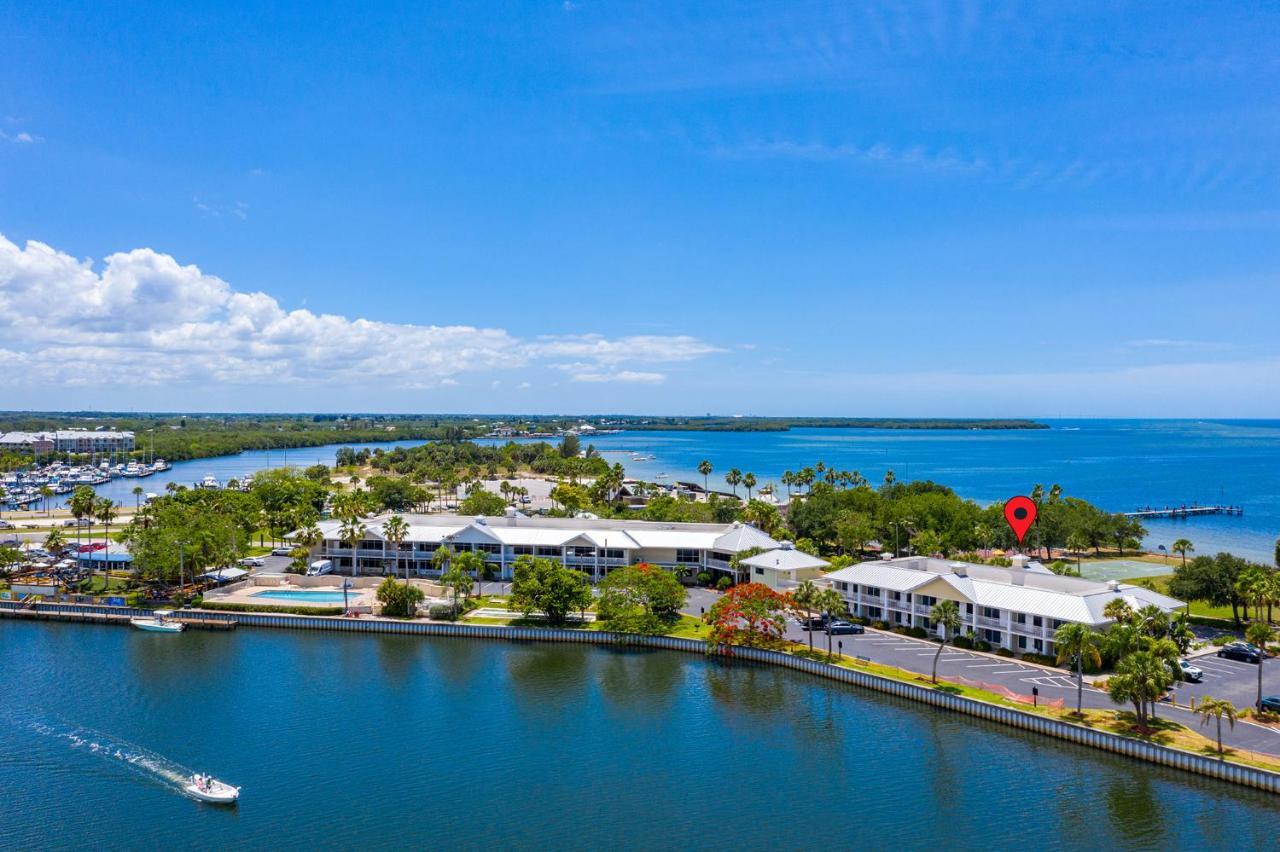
point(986, 665)
point(1012, 671)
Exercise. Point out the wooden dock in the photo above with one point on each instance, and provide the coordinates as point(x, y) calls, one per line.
point(1185, 511)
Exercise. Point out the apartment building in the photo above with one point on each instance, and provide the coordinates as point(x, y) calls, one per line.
point(1019, 608)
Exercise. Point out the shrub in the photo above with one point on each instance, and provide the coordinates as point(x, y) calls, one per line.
point(901, 630)
point(1221, 640)
point(133, 600)
point(1003, 652)
point(704, 578)
point(880, 625)
point(962, 642)
point(399, 600)
point(440, 612)
point(723, 583)
point(1042, 659)
point(918, 632)
point(981, 645)
point(859, 619)
point(1000, 561)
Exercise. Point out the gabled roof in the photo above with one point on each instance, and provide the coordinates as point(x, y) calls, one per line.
point(742, 537)
point(785, 559)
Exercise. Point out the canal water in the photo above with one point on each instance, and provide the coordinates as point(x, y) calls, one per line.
point(379, 742)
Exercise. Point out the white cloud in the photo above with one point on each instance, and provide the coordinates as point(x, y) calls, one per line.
point(145, 319)
point(632, 376)
point(22, 138)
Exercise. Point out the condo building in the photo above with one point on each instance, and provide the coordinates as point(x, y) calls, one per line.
point(1019, 608)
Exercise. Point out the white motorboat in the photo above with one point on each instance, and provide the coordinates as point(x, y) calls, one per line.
point(159, 623)
point(208, 789)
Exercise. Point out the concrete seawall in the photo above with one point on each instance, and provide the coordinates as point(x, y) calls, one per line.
point(1174, 758)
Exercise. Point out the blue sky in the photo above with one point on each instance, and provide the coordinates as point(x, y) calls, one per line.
point(766, 208)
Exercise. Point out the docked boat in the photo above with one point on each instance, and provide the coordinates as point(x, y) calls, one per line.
point(209, 482)
point(208, 789)
point(161, 622)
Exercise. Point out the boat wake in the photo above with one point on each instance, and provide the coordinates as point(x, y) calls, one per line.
point(137, 759)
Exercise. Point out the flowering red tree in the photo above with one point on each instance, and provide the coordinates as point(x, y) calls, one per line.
point(749, 614)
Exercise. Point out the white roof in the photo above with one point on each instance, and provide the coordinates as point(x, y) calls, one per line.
point(621, 534)
point(1048, 595)
point(785, 559)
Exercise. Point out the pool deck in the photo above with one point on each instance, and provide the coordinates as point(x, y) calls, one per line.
point(361, 597)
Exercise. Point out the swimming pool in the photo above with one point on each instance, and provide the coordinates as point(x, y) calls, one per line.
point(305, 596)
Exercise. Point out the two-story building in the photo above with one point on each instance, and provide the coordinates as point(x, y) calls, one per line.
point(591, 545)
point(1018, 608)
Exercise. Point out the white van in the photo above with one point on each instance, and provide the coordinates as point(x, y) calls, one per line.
point(320, 566)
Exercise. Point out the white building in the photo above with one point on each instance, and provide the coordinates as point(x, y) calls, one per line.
point(1019, 608)
point(783, 568)
point(591, 545)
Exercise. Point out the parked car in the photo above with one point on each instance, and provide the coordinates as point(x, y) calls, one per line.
point(1190, 672)
point(282, 551)
point(839, 628)
point(77, 522)
point(817, 622)
point(6, 525)
point(1241, 652)
point(320, 567)
point(1271, 703)
point(253, 562)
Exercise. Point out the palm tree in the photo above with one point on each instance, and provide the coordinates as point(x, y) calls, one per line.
point(704, 468)
point(1077, 542)
point(45, 493)
point(1182, 547)
point(789, 479)
point(137, 497)
point(440, 558)
point(395, 530)
point(945, 614)
point(1259, 634)
point(749, 482)
point(105, 511)
point(1077, 643)
point(733, 477)
point(81, 504)
point(1118, 610)
point(806, 599)
point(352, 532)
point(829, 601)
point(1215, 708)
point(1140, 678)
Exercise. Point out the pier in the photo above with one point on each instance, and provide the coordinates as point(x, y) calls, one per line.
point(1185, 511)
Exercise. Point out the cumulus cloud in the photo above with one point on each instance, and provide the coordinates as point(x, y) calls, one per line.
point(143, 318)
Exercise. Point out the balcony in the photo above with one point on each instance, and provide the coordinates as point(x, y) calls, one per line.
point(990, 623)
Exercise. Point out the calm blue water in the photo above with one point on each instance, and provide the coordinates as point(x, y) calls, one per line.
point(396, 742)
point(1118, 464)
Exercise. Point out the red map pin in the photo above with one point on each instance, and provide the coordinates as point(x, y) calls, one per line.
point(1020, 512)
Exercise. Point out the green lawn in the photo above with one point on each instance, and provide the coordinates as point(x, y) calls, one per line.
point(1161, 584)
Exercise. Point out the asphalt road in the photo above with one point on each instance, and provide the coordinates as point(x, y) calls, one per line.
point(1228, 679)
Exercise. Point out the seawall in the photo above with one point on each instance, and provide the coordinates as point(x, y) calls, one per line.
point(1150, 752)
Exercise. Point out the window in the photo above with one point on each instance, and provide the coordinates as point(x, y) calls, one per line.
point(926, 600)
point(522, 550)
point(992, 636)
point(686, 556)
point(1036, 620)
point(489, 548)
point(1020, 618)
point(759, 572)
point(990, 612)
point(968, 609)
point(1022, 642)
point(721, 555)
point(895, 596)
point(614, 553)
point(1057, 623)
point(871, 590)
point(843, 586)
point(582, 552)
point(553, 552)
point(1039, 646)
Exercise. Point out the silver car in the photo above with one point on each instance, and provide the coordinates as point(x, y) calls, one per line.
point(1190, 672)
